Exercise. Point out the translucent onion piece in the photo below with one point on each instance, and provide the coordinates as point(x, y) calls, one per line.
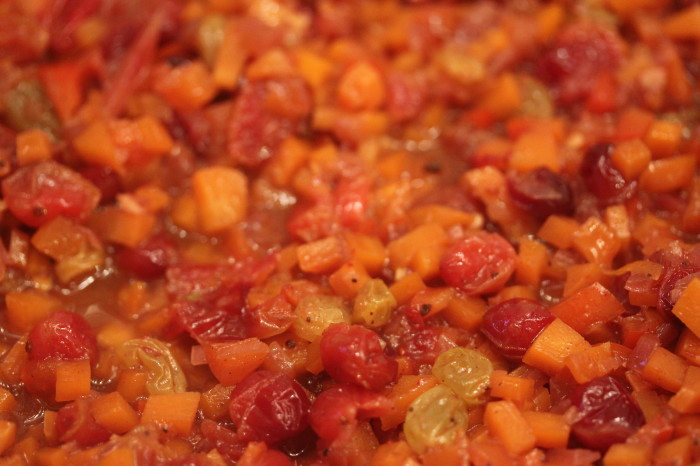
point(434, 418)
point(465, 371)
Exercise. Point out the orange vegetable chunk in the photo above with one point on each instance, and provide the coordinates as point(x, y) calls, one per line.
point(231, 362)
point(592, 305)
point(72, 379)
point(505, 421)
point(174, 411)
point(114, 413)
point(221, 196)
point(551, 347)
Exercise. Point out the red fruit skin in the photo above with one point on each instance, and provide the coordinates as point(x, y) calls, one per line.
point(268, 407)
point(513, 325)
point(607, 413)
point(74, 422)
point(478, 264)
point(353, 354)
point(37, 193)
point(62, 335)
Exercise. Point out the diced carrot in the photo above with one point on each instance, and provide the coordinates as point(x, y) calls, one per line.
point(445, 216)
point(323, 255)
point(691, 214)
point(289, 157)
point(628, 454)
point(450, 454)
point(11, 365)
point(314, 68)
point(347, 280)
point(505, 421)
point(551, 430)
point(95, 145)
point(407, 389)
point(32, 145)
point(26, 308)
point(687, 400)
point(669, 174)
point(120, 226)
point(519, 390)
point(72, 379)
point(367, 250)
point(48, 456)
point(465, 312)
point(653, 233)
point(230, 57)
point(504, 98)
point(231, 362)
point(591, 305)
point(688, 347)
point(535, 149)
point(175, 411)
point(676, 451)
point(406, 287)
point(580, 276)
point(420, 250)
point(634, 123)
point(650, 402)
point(551, 347)
point(114, 413)
point(432, 300)
point(121, 456)
point(49, 425)
point(186, 87)
point(7, 401)
point(8, 433)
point(114, 334)
point(663, 138)
point(631, 158)
point(184, 212)
point(665, 369)
point(559, 231)
point(132, 384)
point(595, 241)
point(361, 87)
point(617, 219)
point(687, 308)
point(548, 19)
point(153, 138)
point(221, 195)
point(532, 259)
point(393, 453)
point(683, 24)
point(593, 362)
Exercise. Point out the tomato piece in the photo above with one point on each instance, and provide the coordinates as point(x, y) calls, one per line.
point(62, 335)
point(607, 413)
point(353, 354)
point(37, 193)
point(337, 411)
point(268, 406)
point(478, 264)
point(74, 422)
point(513, 325)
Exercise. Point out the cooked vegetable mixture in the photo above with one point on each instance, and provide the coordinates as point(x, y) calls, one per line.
point(349, 232)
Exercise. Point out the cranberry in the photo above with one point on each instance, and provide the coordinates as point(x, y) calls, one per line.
point(672, 283)
point(353, 354)
point(37, 193)
point(336, 411)
point(74, 422)
point(478, 264)
point(105, 179)
point(514, 324)
point(607, 413)
point(579, 54)
point(269, 407)
point(62, 335)
point(601, 178)
point(207, 323)
point(541, 192)
point(150, 259)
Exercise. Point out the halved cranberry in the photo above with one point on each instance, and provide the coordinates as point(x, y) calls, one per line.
point(353, 354)
point(148, 260)
point(74, 422)
point(514, 324)
point(601, 178)
point(269, 407)
point(607, 413)
point(541, 192)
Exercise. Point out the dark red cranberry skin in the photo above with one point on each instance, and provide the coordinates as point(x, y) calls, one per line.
point(478, 264)
point(601, 178)
point(607, 413)
point(541, 192)
point(514, 324)
point(353, 354)
point(269, 407)
point(62, 335)
point(148, 260)
point(106, 180)
point(672, 282)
